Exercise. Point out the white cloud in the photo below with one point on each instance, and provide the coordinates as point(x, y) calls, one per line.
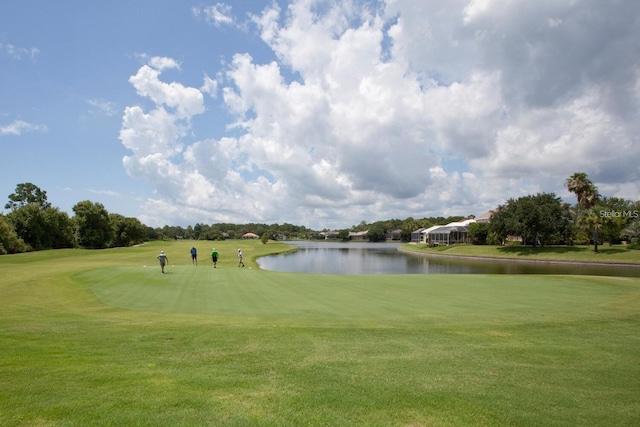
point(186, 101)
point(109, 193)
point(16, 52)
point(161, 63)
point(417, 109)
point(18, 127)
point(209, 86)
point(107, 108)
point(217, 15)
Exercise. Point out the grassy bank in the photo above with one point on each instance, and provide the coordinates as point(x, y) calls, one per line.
point(103, 338)
point(617, 254)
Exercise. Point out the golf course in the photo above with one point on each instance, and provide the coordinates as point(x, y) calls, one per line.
point(103, 337)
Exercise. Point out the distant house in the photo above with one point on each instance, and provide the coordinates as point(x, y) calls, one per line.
point(359, 235)
point(393, 235)
point(485, 217)
point(416, 236)
point(250, 236)
point(330, 234)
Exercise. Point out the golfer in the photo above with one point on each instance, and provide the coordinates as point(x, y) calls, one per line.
point(214, 257)
point(163, 260)
point(194, 255)
point(240, 263)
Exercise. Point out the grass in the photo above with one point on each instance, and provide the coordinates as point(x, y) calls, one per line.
point(95, 338)
point(616, 254)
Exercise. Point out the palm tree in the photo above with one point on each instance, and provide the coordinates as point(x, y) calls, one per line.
point(587, 195)
point(584, 189)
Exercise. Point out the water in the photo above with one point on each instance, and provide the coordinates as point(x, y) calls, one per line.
point(384, 258)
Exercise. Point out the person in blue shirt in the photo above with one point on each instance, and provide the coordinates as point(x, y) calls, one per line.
point(194, 255)
point(163, 260)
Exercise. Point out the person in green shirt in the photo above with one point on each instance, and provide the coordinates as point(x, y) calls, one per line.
point(214, 257)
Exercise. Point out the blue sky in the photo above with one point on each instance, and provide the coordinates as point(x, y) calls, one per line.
point(316, 113)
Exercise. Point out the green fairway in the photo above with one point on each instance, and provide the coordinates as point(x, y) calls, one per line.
point(104, 338)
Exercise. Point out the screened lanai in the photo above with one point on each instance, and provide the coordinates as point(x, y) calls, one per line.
point(448, 234)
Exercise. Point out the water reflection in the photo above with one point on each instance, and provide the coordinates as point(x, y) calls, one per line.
point(384, 258)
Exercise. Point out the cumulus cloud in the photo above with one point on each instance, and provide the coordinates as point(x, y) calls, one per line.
point(376, 110)
point(186, 101)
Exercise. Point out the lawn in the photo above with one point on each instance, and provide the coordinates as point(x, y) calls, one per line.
point(615, 254)
point(104, 338)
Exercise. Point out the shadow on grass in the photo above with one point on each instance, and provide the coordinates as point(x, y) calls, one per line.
point(555, 250)
point(530, 250)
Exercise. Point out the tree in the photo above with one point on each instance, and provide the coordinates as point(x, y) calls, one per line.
point(616, 214)
point(60, 228)
point(503, 221)
point(587, 196)
point(584, 189)
point(47, 228)
point(10, 243)
point(27, 193)
point(478, 232)
point(128, 231)
point(376, 232)
point(538, 219)
point(95, 230)
point(632, 234)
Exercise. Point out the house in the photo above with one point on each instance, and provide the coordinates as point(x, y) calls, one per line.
point(330, 234)
point(416, 236)
point(485, 217)
point(393, 235)
point(359, 235)
point(454, 232)
point(250, 236)
point(424, 236)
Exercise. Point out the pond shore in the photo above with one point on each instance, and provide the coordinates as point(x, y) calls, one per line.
point(548, 257)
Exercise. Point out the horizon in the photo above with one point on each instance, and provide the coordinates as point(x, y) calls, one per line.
point(308, 112)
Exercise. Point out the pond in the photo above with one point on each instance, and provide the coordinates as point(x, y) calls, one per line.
point(384, 258)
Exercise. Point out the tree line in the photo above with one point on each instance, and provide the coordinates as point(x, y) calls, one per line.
point(32, 224)
point(543, 219)
point(377, 231)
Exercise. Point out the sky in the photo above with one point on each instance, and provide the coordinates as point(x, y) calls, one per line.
point(314, 112)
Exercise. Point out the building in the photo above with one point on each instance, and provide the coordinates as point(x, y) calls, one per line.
point(334, 234)
point(393, 235)
point(454, 232)
point(416, 236)
point(485, 217)
point(359, 235)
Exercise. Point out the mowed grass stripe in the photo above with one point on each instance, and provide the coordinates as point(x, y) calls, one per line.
point(233, 291)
